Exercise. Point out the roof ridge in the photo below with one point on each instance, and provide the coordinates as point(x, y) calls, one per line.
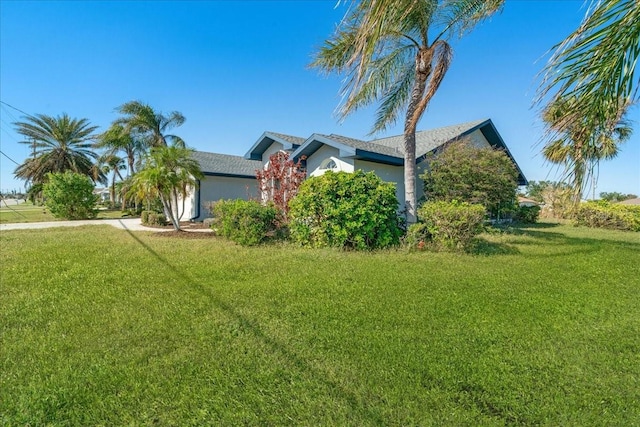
point(465, 124)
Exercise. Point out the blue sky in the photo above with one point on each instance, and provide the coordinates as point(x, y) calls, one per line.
point(237, 69)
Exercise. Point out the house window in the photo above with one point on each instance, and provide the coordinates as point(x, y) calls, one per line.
point(329, 164)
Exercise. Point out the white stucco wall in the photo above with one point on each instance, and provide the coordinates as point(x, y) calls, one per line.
point(213, 188)
point(273, 148)
point(315, 161)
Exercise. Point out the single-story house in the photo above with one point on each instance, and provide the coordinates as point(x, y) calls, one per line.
point(635, 201)
point(103, 194)
point(526, 202)
point(232, 177)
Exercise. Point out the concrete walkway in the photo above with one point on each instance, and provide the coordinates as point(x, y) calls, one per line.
point(132, 224)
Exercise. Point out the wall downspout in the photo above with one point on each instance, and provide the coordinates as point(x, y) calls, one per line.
point(196, 202)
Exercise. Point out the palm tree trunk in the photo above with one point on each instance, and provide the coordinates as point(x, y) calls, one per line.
point(112, 192)
point(414, 112)
point(168, 211)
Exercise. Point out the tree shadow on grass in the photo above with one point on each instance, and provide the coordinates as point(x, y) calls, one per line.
point(484, 247)
point(278, 347)
point(512, 238)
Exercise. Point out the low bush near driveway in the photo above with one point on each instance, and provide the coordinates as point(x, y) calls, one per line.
point(245, 222)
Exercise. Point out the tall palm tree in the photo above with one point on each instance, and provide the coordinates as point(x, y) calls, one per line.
point(596, 65)
point(116, 139)
point(169, 173)
point(141, 119)
point(386, 50)
point(580, 146)
point(60, 143)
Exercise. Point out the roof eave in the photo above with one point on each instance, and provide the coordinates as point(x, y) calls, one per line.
point(266, 139)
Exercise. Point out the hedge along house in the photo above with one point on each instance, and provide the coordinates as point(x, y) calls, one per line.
point(233, 177)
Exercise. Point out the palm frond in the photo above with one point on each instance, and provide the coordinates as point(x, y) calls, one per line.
point(382, 78)
point(394, 101)
point(597, 63)
point(457, 17)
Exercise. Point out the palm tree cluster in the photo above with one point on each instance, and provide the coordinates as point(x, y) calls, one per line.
point(136, 142)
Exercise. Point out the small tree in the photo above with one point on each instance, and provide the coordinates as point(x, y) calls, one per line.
point(557, 198)
point(535, 189)
point(70, 195)
point(467, 173)
point(280, 180)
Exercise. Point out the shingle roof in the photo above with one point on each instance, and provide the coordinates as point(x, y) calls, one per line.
point(635, 201)
point(365, 146)
point(225, 164)
point(289, 138)
point(428, 140)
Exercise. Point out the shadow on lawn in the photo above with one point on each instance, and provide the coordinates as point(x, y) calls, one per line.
point(251, 325)
point(540, 235)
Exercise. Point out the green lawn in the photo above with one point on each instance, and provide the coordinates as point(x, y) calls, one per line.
point(27, 212)
point(100, 326)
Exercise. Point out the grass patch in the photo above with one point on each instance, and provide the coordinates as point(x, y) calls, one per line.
point(27, 212)
point(540, 327)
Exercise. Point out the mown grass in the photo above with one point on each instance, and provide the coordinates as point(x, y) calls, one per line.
point(106, 327)
point(27, 212)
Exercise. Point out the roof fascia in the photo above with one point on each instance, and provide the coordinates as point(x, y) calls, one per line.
point(266, 139)
point(228, 175)
point(379, 158)
point(315, 141)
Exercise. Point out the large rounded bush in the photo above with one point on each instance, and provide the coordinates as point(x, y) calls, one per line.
point(348, 210)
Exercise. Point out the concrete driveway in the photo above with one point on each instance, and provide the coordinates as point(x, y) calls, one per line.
point(132, 224)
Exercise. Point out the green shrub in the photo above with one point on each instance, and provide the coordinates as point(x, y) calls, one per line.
point(452, 225)
point(347, 210)
point(153, 219)
point(245, 222)
point(467, 173)
point(527, 214)
point(418, 236)
point(70, 195)
point(602, 214)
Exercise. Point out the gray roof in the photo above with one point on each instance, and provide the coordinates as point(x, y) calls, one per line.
point(635, 201)
point(289, 142)
point(429, 140)
point(366, 146)
point(226, 165)
point(289, 138)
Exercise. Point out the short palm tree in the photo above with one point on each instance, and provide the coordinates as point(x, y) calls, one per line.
point(142, 120)
point(60, 143)
point(169, 173)
point(386, 50)
point(579, 145)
